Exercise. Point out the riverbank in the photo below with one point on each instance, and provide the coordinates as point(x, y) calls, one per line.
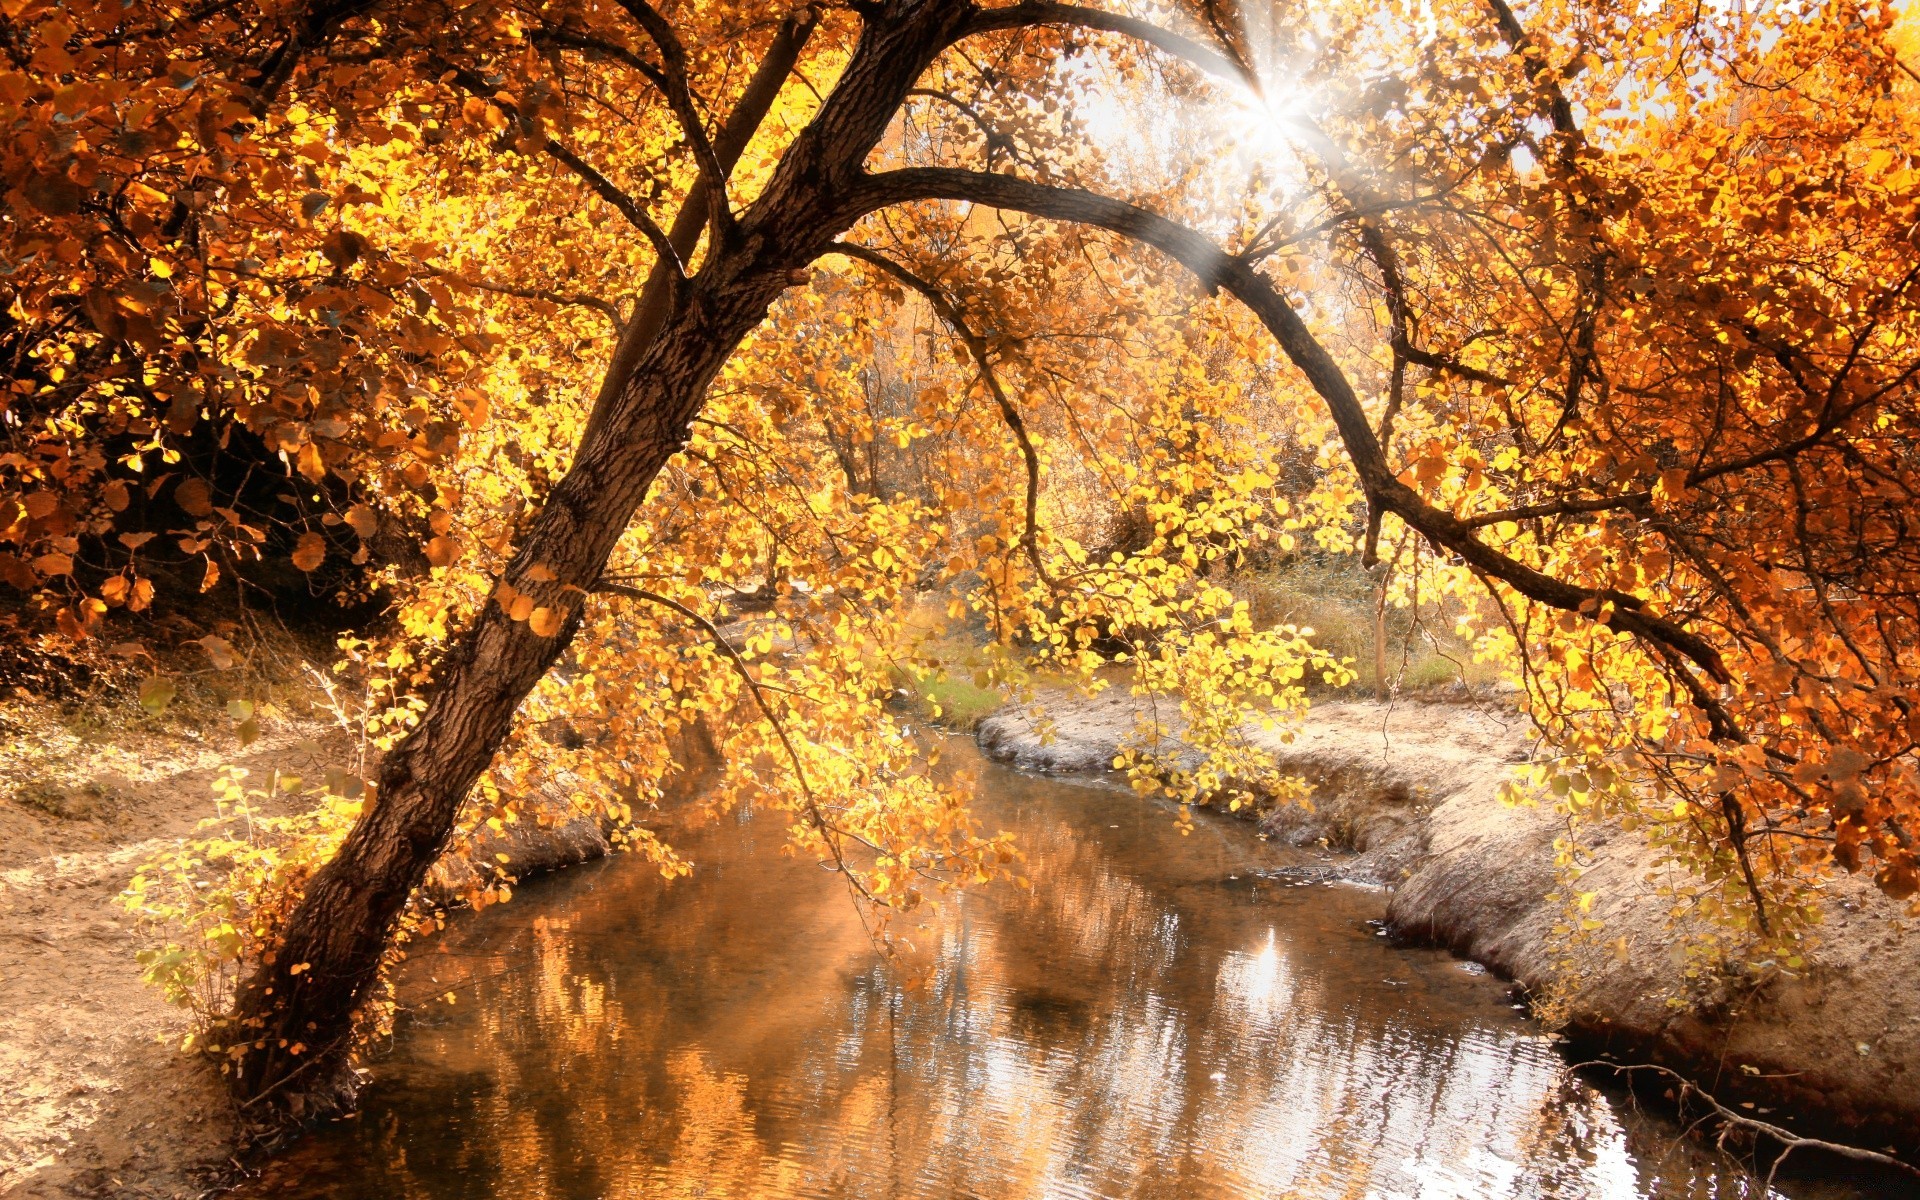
point(96, 1097)
point(1406, 796)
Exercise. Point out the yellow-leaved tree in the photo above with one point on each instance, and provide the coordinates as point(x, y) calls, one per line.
point(583, 325)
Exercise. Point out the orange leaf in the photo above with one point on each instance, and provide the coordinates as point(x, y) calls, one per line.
point(220, 650)
point(194, 497)
point(311, 464)
point(364, 520)
point(310, 552)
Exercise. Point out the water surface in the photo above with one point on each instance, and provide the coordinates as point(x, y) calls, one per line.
point(1160, 1016)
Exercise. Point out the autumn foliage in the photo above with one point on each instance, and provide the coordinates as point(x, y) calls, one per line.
point(691, 348)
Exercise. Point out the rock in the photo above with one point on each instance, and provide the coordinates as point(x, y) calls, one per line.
point(528, 846)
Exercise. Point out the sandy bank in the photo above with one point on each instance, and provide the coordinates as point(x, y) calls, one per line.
point(96, 1099)
point(1407, 796)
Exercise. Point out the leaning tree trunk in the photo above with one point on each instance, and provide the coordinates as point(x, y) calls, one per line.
point(298, 1011)
point(301, 1023)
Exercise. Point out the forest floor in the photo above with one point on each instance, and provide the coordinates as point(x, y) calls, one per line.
point(1411, 793)
point(96, 1097)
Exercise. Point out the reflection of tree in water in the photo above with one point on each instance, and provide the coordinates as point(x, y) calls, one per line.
point(1128, 1027)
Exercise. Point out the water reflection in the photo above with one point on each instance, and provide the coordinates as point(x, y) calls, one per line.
point(1156, 1018)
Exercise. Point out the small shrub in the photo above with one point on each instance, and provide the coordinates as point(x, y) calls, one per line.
point(88, 801)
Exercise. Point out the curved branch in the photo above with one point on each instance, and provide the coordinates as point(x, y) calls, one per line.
point(814, 816)
point(569, 39)
point(1039, 12)
point(680, 97)
point(650, 310)
point(1216, 269)
point(629, 208)
point(579, 300)
point(603, 187)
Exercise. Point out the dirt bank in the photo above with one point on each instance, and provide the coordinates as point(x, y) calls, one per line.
point(95, 1098)
point(1407, 796)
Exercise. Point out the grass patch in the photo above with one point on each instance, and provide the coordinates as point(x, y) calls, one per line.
point(944, 699)
point(1334, 596)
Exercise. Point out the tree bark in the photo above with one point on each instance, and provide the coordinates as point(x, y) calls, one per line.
point(297, 1012)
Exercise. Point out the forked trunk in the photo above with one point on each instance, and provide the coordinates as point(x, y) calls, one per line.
point(298, 1012)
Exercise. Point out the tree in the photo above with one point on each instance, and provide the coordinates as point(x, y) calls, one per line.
point(1609, 315)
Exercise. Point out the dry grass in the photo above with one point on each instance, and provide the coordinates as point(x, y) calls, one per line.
point(1334, 597)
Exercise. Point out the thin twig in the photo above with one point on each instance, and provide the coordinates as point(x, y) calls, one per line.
point(819, 821)
point(1789, 1141)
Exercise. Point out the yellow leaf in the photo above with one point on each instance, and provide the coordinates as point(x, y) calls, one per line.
point(156, 692)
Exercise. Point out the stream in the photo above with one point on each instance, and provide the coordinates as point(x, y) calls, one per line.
point(1159, 1016)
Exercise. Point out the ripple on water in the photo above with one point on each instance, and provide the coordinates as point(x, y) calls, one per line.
point(1129, 1028)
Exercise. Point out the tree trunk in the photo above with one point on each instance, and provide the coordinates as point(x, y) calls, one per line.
point(301, 1024)
point(298, 1011)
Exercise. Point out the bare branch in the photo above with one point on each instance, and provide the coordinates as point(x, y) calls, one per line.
point(1788, 1140)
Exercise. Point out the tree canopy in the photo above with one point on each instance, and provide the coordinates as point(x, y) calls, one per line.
point(573, 329)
